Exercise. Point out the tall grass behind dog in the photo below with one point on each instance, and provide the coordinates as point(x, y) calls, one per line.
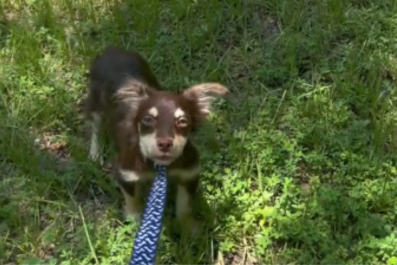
point(148, 126)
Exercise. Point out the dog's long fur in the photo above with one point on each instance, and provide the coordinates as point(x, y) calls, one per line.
point(147, 125)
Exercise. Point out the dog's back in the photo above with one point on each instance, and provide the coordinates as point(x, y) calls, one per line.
point(110, 71)
point(114, 66)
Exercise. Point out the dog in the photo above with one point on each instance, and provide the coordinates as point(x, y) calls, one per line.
point(148, 126)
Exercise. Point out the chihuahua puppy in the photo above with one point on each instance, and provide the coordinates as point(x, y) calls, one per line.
point(148, 126)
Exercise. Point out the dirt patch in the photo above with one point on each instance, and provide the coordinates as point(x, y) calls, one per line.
point(240, 257)
point(270, 27)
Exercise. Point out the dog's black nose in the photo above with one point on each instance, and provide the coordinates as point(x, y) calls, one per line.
point(164, 144)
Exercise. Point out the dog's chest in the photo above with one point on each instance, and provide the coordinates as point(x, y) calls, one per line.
point(177, 174)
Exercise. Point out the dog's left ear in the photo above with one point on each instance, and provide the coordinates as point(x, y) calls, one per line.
point(132, 93)
point(203, 94)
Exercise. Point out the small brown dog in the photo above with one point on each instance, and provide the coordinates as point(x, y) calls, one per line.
point(147, 126)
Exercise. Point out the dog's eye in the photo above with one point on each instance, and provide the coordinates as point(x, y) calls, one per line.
point(182, 122)
point(148, 120)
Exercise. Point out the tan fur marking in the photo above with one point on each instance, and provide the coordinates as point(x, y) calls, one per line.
point(147, 143)
point(129, 175)
point(178, 145)
point(154, 112)
point(179, 113)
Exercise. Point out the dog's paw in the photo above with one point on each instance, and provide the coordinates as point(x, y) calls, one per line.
point(95, 157)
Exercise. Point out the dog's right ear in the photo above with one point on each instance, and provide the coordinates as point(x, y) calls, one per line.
point(133, 92)
point(203, 94)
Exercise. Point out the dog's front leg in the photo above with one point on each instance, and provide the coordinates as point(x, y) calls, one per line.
point(130, 188)
point(186, 195)
point(94, 147)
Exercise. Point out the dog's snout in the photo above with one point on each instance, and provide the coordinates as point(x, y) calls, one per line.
point(164, 144)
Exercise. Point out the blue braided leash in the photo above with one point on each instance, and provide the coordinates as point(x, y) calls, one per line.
point(144, 251)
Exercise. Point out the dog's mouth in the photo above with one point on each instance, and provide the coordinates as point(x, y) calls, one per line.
point(163, 158)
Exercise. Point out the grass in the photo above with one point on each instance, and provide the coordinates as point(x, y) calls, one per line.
point(299, 164)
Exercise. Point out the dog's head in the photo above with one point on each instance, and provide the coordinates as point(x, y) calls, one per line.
point(164, 119)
